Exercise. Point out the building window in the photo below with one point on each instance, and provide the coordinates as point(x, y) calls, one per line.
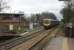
point(6, 18)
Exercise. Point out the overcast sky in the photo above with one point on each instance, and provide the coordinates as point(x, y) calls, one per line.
point(36, 6)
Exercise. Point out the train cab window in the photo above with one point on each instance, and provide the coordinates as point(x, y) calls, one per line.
point(46, 21)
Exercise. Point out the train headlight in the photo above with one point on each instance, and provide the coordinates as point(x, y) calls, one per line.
point(46, 24)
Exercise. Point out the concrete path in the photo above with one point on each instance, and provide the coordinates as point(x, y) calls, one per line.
point(57, 43)
point(71, 43)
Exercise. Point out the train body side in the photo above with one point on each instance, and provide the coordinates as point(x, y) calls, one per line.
point(50, 24)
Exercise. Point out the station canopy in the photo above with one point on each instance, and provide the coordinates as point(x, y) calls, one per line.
point(63, 0)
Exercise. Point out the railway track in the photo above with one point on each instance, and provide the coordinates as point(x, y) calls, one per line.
point(16, 41)
point(41, 44)
point(27, 41)
point(17, 36)
point(28, 44)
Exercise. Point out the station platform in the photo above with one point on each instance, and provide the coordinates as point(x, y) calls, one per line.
point(60, 43)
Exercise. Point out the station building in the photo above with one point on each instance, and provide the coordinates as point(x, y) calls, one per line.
point(11, 21)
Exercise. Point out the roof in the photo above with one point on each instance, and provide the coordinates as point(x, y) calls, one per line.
point(63, 0)
point(11, 14)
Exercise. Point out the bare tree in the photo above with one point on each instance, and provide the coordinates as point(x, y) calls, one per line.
point(3, 5)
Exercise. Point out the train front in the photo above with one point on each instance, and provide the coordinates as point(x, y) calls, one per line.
point(46, 23)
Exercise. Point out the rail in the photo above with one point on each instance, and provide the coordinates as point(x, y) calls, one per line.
point(13, 42)
point(41, 44)
point(30, 43)
point(27, 38)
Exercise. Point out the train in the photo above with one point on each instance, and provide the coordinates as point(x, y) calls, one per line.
point(49, 23)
